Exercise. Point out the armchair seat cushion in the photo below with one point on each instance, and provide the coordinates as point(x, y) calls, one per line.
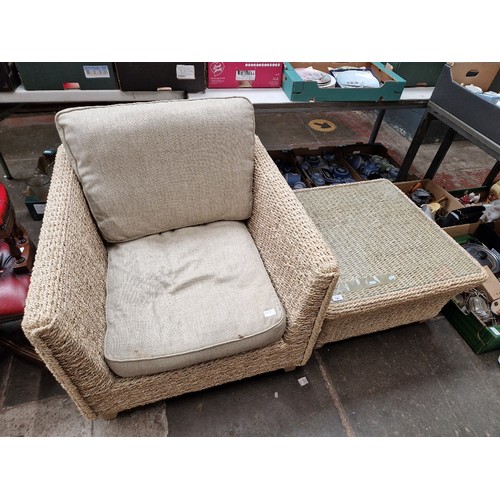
point(187, 296)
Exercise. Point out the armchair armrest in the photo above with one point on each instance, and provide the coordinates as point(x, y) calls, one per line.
point(300, 263)
point(65, 316)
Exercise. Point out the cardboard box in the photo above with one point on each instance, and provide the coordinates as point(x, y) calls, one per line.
point(483, 192)
point(153, 76)
point(487, 233)
point(450, 94)
point(480, 337)
point(450, 203)
point(457, 231)
point(366, 149)
point(67, 76)
point(491, 287)
point(291, 157)
point(304, 152)
point(233, 75)
point(288, 164)
point(392, 85)
point(9, 77)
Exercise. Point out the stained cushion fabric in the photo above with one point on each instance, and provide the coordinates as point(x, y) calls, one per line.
point(147, 168)
point(187, 296)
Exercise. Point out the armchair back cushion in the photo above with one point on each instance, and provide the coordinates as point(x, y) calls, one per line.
point(146, 168)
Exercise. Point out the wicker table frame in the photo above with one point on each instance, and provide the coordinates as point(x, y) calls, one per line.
point(396, 265)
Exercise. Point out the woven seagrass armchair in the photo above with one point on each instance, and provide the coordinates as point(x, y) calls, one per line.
point(173, 256)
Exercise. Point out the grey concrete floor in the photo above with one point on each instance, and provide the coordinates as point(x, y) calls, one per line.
point(417, 380)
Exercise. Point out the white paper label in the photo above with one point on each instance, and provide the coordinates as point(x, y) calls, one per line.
point(245, 75)
point(39, 208)
point(96, 71)
point(269, 312)
point(185, 72)
point(303, 381)
point(494, 331)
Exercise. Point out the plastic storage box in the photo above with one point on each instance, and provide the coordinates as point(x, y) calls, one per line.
point(152, 76)
point(479, 336)
point(392, 85)
point(418, 74)
point(451, 95)
point(67, 76)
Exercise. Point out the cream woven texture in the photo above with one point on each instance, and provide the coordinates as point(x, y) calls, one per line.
point(383, 317)
point(151, 167)
point(186, 296)
point(65, 309)
point(375, 230)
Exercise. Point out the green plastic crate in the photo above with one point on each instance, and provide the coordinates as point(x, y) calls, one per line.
point(418, 74)
point(298, 90)
point(480, 338)
point(67, 75)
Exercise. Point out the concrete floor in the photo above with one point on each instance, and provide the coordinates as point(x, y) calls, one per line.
point(416, 380)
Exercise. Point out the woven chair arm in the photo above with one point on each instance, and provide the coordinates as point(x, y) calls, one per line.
point(300, 263)
point(65, 317)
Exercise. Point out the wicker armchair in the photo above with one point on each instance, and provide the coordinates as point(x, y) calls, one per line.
point(65, 314)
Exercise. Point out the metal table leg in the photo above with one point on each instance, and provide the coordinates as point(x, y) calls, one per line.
point(441, 153)
point(376, 126)
point(5, 168)
point(414, 146)
point(492, 175)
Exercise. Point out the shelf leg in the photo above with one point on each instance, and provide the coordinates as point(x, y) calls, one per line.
point(441, 153)
point(492, 175)
point(414, 146)
point(376, 126)
point(5, 168)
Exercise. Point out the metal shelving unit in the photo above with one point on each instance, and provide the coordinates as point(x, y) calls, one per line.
point(264, 101)
point(455, 126)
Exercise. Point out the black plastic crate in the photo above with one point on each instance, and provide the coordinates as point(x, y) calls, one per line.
point(451, 95)
point(9, 77)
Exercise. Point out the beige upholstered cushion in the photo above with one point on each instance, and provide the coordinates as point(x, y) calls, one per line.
point(187, 296)
point(151, 167)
